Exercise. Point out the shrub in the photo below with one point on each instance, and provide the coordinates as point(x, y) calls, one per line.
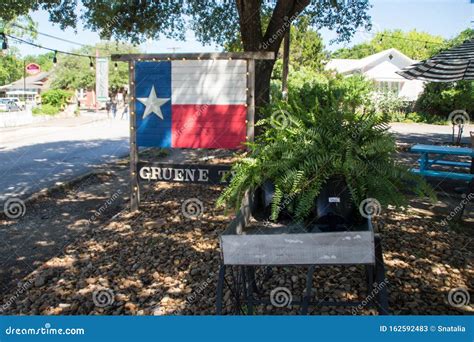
point(301, 151)
point(46, 109)
point(389, 105)
point(440, 99)
point(55, 97)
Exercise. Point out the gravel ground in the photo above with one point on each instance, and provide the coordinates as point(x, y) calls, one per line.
point(164, 260)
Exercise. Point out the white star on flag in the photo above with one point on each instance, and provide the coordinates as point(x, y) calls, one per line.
point(153, 104)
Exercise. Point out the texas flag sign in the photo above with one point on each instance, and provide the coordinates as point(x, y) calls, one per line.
point(191, 103)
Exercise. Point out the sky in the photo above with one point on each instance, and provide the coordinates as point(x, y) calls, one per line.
point(439, 17)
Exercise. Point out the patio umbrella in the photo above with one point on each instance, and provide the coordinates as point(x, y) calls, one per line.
point(451, 65)
point(455, 64)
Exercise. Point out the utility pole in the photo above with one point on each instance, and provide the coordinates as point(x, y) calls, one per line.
point(286, 60)
point(24, 82)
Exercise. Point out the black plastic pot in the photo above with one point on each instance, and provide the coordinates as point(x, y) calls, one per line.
point(334, 209)
point(262, 200)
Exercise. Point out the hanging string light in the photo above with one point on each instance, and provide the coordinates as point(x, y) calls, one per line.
point(91, 64)
point(4, 43)
point(55, 59)
point(115, 66)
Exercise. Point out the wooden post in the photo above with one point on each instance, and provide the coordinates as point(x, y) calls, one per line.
point(132, 58)
point(286, 61)
point(250, 99)
point(134, 186)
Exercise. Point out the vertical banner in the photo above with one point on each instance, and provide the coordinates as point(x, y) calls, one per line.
point(102, 79)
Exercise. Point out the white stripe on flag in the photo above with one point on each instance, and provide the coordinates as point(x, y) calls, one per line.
point(209, 82)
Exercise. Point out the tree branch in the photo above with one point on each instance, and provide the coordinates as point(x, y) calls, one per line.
point(250, 23)
point(284, 13)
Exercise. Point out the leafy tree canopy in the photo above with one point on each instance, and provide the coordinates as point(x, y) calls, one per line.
point(83, 76)
point(212, 21)
point(413, 44)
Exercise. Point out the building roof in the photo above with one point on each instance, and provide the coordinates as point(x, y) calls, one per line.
point(344, 66)
point(37, 81)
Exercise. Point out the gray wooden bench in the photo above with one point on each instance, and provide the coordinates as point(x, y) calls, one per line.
point(246, 245)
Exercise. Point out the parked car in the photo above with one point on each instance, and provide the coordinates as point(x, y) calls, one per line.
point(16, 102)
point(7, 105)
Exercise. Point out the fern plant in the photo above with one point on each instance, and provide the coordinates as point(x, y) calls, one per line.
point(304, 145)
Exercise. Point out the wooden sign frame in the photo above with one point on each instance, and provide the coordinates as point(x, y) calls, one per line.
point(250, 58)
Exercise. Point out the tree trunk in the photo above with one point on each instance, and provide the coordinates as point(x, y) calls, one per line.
point(263, 72)
point(253, 39)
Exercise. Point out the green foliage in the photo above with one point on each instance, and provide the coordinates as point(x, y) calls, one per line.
point(19, 26)
point(212, 21)
point(415, 48)
point(440, 99)
point(11, 65)
point(46, 109)
point(459, 39)
point(83, 76)
point(45, 61)
point(317, 135)
point(388, 104)
point(10, 68)
point(310, 89)
point(55, 97)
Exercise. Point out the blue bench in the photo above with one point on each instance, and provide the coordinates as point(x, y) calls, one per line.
point(447, 163)
point(426, 163)
point(445, 174)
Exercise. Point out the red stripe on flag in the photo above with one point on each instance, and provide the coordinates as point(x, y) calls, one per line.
point(208, 126)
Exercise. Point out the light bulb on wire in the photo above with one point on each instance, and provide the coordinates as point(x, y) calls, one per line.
point(55, 59)
point(4, 43)
point(115, 66)
point(91, 65)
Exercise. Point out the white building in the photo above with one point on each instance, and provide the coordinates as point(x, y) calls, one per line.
point(381, 69)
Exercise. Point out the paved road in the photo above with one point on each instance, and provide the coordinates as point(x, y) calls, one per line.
point(36, 156)
point(427, 134)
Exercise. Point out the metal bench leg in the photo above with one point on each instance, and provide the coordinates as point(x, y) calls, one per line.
point(309, 287)
point(369, 276)
point(220, 289)
point(248, 288)
point(424, 164)
point(382, 294)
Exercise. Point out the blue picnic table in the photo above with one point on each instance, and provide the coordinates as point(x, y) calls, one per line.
point(433, 155)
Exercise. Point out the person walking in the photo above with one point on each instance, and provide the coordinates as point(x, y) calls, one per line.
point(114, 108)
point(125, 112)
point(107, 107)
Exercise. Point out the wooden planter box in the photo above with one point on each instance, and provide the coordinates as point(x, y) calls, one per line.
point(249, 242)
